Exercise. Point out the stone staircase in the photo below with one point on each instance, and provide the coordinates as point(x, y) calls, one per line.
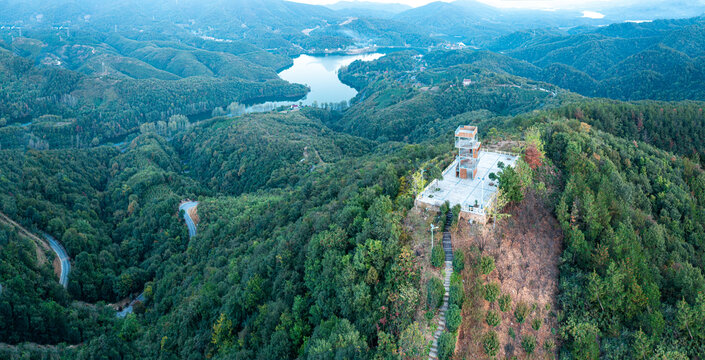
point(448, 249)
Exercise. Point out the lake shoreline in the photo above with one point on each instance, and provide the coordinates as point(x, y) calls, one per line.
point(320, 75)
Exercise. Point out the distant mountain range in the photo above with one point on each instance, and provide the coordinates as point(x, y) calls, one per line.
point(475, 22)
point(663, 59)
point(368, 8)
point(279, 24)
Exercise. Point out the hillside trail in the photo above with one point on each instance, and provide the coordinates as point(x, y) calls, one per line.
point(448, 249)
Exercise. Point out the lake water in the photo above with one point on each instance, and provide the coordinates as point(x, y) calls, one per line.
point(320, 73)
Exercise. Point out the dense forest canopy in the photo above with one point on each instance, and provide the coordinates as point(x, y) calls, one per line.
point(308, 236)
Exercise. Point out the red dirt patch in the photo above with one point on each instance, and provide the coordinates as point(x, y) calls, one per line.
point(526, 248)
point(193, 213)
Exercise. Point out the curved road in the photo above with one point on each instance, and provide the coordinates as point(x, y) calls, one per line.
point(191, 232)
point(63, 257)
point(189, 222)
point(53, 243)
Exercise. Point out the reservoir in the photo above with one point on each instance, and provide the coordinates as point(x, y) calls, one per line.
point(320, 73)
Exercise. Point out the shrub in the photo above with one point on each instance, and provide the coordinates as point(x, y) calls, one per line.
point(490, 343)
point(583, 339)
point(491, 291)
point(486, 265)
point(453, 318)
point(446, 346)
point(138, 307)
point(511, 333)
point(411, 342)
point(437, 256)
point(456, 214)
point(435, 292)
point(510, 185)
point(492, 318)
point(521, 312)
point(549, 345)
point(528, 343)
point(444, 210)
point(505, 302)
point(536, 323)
point(457, 291)
point(458, 261)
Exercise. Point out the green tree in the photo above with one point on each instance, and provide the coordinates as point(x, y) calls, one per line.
point(528, 343)
point(453, 318)
point(492, 318)
point(130, 329)
point(491, 291)
point(641, 346)
point(583, 339)
point(486, 264)
point(222, 334)
point(446, 346)
point(456, 293)
point(435, 292)
point(510, 185)
point(505, 302)
point(335, 339)
point(411, 342)
point(490, 343)
point(437, 256)
point(458, 261)
point(521, 312)
point(418, 183)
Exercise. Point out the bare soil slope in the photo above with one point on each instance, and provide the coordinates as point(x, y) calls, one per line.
point(526, 248)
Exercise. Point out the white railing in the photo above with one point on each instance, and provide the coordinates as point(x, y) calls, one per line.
point(487, 207)
point(509, 153)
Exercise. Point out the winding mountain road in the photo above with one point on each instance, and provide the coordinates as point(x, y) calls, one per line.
point(63, 258)
point(53, 243)
point(186, 206)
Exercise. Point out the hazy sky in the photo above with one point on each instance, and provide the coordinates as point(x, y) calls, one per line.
point(534, 4)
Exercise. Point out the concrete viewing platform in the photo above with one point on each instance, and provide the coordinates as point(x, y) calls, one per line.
point(476, 195)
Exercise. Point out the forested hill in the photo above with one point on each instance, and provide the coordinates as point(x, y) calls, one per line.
point(661, 60)
point(65, 108)
point(271, 247)
point(408, 97)
point(284, 27)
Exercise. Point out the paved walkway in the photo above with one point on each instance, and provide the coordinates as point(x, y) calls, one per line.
point(448, 249)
